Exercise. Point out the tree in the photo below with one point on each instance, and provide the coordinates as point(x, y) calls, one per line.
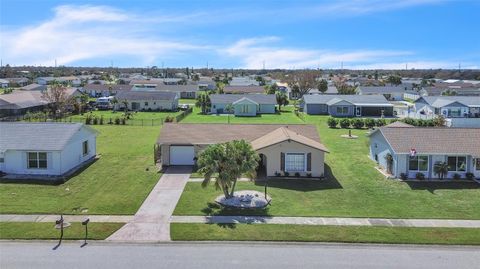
point(203, 101)
point(440, 169)
point(195, 77)
point(394, 80)
point(58, 99)
point(322, 86)
point(82, 102)
point(282, 100)
point(376, 75)
point(302, 81)
point(219, 87)
point(344, 88)
point(439, 121)
point(230, 160)
point(271, 89)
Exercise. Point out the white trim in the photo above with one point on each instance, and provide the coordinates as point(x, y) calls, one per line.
point(304, 161)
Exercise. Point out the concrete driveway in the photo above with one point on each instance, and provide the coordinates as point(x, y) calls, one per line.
point(151, 223)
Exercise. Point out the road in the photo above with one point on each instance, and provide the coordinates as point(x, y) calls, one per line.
point(233, 255)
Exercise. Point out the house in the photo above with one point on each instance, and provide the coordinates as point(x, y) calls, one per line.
point(448, 106)
point(417, 150)
point(244, 89)
point(18, 82)
point(147, 100)
point(4, 83)
point(45, 149)
point(34, 87)
point(188, 91)
point(72, 80)
point(243, 104)
point(391, 93)
point(347, 105)
point(19, 102)
point(99, 90)
point(282, 148)
point(457, 90)
point(243, 81)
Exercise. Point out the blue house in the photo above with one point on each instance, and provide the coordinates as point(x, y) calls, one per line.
point(243, 104)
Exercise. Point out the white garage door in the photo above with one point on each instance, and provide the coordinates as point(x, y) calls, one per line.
point(181, 155)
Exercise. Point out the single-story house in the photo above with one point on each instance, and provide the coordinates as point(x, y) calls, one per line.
point(99, 90)
point(448, 106)
point(187, 91)
point(147, 100)
point(347, 105)
point(4, 83)
point(473, 90)
point(243, 104)
point(19, 102)
point(18, 82)
point(244, 89)
point(391, 93)
point(74, 81)
point(34, 87)
point(45, 149)
point(417, 150)
point(243, 81)
point(282, 148)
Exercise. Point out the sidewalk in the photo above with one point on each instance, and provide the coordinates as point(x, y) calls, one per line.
point(67, 218)
point(430, 223)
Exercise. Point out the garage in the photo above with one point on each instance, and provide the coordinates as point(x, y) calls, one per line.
point(182, 155)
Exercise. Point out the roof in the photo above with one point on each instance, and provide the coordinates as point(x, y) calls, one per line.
point(177, 88)
point(363, 100)
point(34, 87)
point(429, 140)
point(441, 101)
point(21, 99)
point(399, 124)
point(146, 95)
point(381, 89)
point(107, 87)
point(37, 136)
point(231, 98)
point(203, 133)
point(243, 89)
point(283, 134)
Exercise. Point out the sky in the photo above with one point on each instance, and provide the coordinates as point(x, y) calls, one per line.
point(360, 34)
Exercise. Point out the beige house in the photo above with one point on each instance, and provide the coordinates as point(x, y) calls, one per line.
point(283, 149)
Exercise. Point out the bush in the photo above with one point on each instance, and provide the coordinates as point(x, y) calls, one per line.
point(380, 122)
point(457, 176)
point(420, 176)
point(297, 174)
point(345, 123)
point(110, 121)
point(469, 176)
point(95, 120)
point(124, 121)
point(332, 122)
point(369, 123)
point(358, 123)
point(393, 120)
point(409, 121)
point(403, 176)
point(101, 120)
point(286, 174)
point(169, 119)
point(117, 120)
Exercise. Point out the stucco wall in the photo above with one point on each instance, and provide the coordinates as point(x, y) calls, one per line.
point(15, 162)
point(72, 155)
point(153, 105)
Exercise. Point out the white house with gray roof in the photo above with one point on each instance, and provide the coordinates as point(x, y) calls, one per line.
point(448, 106)
point(147, 100)
point(45, 149)
point(243, 104)
point(391, 93)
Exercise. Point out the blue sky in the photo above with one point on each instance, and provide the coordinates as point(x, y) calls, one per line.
point(242, 34)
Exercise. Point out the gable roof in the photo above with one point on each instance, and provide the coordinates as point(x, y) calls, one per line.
point(37, 136)
point(21, 99)
point(146, 95)
point(204, 133)
point(381, 89)
point(283, 134)
point(107, 87)
point(429, 140)
point(399, 124)
point(441, 101)
point(359, 100)
point(244, 89)
point(231, 98)
point(245, 99)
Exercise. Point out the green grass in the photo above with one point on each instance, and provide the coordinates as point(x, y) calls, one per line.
point(186, 101)
point(353, 189)
point(42, 230)
point(310, 233)
point(136, 115)
point(285, 117)
point(117, 183)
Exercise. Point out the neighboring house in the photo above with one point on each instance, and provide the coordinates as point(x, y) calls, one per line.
point(45, 149)
point(19, 102)
point(448, 106)
point(244, 89)
point(74, 81)
point(243, 81)
point(188, 91)
point(243, 104)
point(34, 87)
point(458, 90)
point(282, 148)
point(99, 90)
point(417, 150)
point(18, 82)
point(391, 93)
point(347, 105)
point(147, 100)
point(4, 83)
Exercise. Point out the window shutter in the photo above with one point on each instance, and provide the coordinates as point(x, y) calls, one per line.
point(282, 161)
point(309, 161)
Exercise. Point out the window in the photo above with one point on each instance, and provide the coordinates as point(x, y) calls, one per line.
point(2, 160)
point(457, 163)
point(85, 147)
point(244, 109)
point(146, 103)
point(342, 109)
point(418, 163)
point(37, 160)
point(295, 162)
point(477, 164)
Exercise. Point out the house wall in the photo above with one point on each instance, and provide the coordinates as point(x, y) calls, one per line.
point(315, 109)
point(252, 109)
point(273, 154)
point(72, 155)
point(15, 162)
point(379, 148)
point(151, 104)
point(332, 110)
point(262, 109)
point(188, 95)
point(267, 109)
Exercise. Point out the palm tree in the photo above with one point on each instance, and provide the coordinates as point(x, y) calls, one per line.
point(203, 101)
point(282, 100)
point(229, 109)
point(230, 161)
point(440, 169)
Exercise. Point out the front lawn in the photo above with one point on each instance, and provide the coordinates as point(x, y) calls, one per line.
point(285, 117)
point(311, 233)
point(46, 231)
point(117, 183)
point(353, 189)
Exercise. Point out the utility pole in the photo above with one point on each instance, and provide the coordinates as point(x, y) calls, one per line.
point(207, 65)
point(342, 66)
point(459, 67)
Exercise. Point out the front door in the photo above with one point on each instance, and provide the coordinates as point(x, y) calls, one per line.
point(358, 111)
point(476, 167)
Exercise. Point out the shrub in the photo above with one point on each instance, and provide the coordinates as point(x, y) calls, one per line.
point(403, 176)
point(457, 176)
point(297, 174)
point(169, 119)
point(369, 123)
point(469, 176)
point(393, 120)
point(101, 120)
point(95, 120)
point(110, 121)
point(380, 122)
point(286, 174)
point(358, 123)
point(420, 176)
point(124, 121)
point(345, 123)
point(117, 120)
point(309, 174)
point(409, 121)
point(277, 174)
point(332, 122)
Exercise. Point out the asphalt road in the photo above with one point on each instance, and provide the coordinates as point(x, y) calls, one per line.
point(233, 255)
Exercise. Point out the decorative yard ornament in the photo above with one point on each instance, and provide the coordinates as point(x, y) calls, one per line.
point(413, 153)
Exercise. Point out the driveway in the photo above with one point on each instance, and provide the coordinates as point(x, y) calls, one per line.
point(151, 223)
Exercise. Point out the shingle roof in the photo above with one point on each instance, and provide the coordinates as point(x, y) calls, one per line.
point(399, 124)
point(433, 140)
point(21, 99)
point(441, 101)
point(145, 95)
point(244, 89)
point(34, 87)
point(381, 89)
point(202, 133)
point(107, 87)
point(177, 88)
point(37, 136)
point(230, 98)
point(283, 134)
point(354, 99)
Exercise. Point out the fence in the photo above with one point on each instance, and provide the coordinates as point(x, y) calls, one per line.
point(101, 121)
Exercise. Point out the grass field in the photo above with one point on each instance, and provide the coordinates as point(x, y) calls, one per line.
point(353, 189)
point(117, 183)
point(286, 116)
point(136, 115)
point(310, 233)
point(28, 230)
point(186, 101)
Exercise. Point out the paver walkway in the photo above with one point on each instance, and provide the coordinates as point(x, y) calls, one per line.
point(433, 223)
point(151, 222)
